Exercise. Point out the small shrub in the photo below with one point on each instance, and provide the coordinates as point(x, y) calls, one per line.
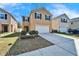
point(54, 31)
point(35, 33)
point(23, 32)
point(62, 32)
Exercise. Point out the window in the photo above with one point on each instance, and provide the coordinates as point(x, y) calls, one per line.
point(47, 17)
point(26, 18)
point(38, 16)
point(64, 20)
point(3, 16)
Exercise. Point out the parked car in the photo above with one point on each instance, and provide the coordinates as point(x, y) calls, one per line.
point(73, 31)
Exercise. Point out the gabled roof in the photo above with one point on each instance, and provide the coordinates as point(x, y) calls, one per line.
point(8, 13)
point(75, 19)
point(60, 16)
point(41, 9)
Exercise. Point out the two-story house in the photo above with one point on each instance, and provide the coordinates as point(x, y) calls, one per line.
point(60, 23)
point(74, 23)
point(39, 19)
point(7, 22)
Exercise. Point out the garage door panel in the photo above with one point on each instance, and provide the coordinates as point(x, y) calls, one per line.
point(63, 29)
point(42, 28)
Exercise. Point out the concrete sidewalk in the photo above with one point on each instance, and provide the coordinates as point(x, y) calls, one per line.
point(63, 47)
point(48, 51)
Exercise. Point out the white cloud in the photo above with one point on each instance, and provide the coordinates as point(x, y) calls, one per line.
point(12, 5)
point(3, 5)
point(60, 9)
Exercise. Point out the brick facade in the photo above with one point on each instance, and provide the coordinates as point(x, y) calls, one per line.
point(34, 22)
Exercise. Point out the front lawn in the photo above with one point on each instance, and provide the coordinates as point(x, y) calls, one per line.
point(7, 41)
point(4, 44)
point(28, 44)
point(73, 35)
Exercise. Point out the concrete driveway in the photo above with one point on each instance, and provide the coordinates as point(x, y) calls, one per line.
point(63, 47)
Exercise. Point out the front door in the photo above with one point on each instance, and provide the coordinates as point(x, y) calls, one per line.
point(26, 28)
point(5, 28)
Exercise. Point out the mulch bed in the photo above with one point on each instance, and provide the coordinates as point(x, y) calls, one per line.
point(28, 44)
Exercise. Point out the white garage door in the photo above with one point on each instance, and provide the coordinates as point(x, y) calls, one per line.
point(64, 30)
point(42, 29)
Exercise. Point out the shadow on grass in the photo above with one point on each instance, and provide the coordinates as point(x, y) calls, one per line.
point(16, 34)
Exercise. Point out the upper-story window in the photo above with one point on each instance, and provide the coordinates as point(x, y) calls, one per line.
point(3, 16)
point(47, 17)
point(26, 18)
point(64, 20)
point(38, 16)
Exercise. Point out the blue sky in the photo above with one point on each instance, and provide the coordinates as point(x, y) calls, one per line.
point(24, 9)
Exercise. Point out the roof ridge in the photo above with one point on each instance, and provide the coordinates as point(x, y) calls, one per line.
point(61, 15)
point(8, 13)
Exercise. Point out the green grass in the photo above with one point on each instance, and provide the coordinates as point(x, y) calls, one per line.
point(75, 35)
point(16, 34)
point(4, 33)
point(4, 47)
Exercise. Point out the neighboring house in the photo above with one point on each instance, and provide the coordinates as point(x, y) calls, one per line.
point(74, 24)
point(38, 19)
point(60, 23)
point(7, 22)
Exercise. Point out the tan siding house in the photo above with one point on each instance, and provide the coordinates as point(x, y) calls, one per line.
point(7, 22)
point(60, 23)
point(55, 24)
point(39, 20)
point(74, 24)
